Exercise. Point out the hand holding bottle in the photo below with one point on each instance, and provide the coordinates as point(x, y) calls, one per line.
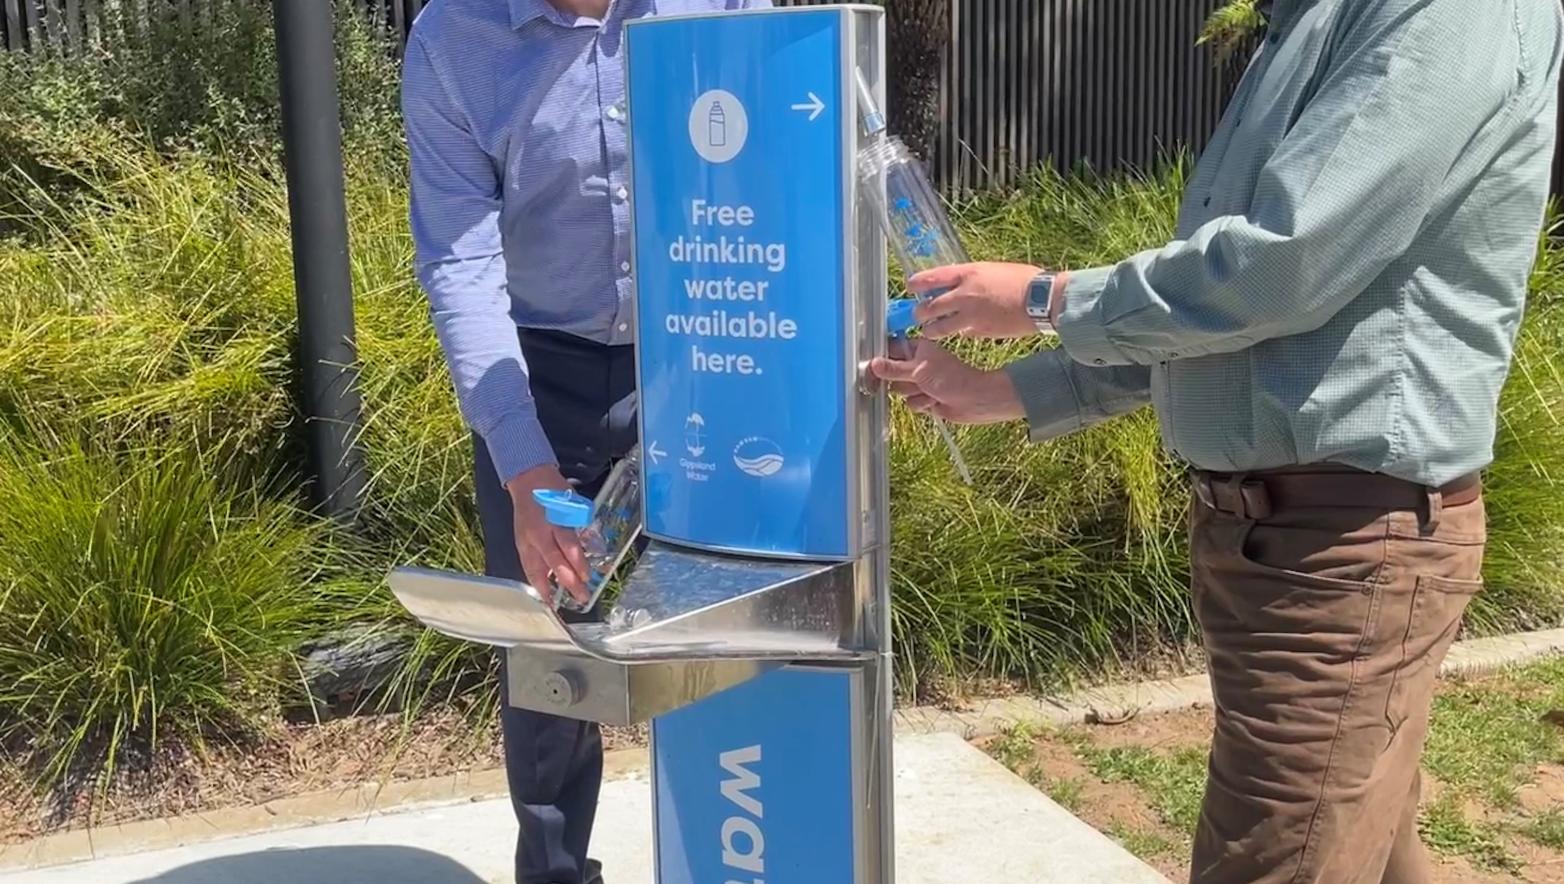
point(985, 300)
point(550, 556)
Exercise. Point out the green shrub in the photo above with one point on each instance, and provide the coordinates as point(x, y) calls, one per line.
point(154, 317)
point(1525, 485)
point(208, 84)
point(163, 305)
point(1231, 26)
point(143, 597)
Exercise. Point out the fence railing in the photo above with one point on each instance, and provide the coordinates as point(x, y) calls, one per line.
point(1112, 83)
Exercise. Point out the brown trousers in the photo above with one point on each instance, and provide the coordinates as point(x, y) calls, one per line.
point(1327, 600)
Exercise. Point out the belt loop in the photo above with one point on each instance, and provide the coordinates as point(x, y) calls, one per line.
point(1436, 510)
point(1256, 499)
point(1235, 493)
point(1201, 482)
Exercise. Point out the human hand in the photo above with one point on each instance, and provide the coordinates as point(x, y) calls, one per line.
point(546, 551)
point(935, 382)
point(986, 300)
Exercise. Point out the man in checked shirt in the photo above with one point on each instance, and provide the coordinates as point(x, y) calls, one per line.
point(515, 120)
point(1324, 343)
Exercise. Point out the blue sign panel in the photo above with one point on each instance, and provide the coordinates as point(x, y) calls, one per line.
point(737, 149)
point(755, 783)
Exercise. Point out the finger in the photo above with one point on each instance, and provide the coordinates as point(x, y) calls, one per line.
point(938, 278)
point(893, 369)
point(575, 557)
point(948, 326)
point(944, 304)
point(564, 575)
point(922, 402)
point(906, 390)
point(536, 570)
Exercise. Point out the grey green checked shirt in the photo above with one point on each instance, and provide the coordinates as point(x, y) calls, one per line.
point(1351, 260)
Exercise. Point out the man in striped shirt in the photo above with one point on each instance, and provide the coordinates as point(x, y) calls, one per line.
point(515, 115)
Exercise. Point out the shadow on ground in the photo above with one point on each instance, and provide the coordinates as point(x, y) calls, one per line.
point(358, 864)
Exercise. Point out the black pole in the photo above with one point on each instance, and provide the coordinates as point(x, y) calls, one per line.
point(323, 285)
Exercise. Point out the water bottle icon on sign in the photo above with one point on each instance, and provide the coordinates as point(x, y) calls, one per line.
point(717, 125)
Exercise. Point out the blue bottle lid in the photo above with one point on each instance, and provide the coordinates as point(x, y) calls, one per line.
point(564, 509)
point(898, 317)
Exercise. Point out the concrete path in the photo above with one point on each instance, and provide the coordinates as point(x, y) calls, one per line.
point(960, 818)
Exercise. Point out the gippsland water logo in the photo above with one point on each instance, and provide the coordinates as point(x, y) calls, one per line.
point(758, 456)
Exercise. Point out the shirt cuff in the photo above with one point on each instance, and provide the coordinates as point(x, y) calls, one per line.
point(1053, 408)
point(1081, 328)
point(517, 444)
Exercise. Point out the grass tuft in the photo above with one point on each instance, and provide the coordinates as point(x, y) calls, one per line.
point(1175, 783)
point(1143, 844)
point(1487, 738)
point(1446, 829)
point(141, 601)
point(1547, 828)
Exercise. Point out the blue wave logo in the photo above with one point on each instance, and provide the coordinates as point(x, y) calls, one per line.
point(757, 456)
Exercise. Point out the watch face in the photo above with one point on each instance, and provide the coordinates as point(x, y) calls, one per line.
point(1038, 296)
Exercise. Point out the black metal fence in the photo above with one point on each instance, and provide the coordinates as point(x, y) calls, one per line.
point(1112, 83)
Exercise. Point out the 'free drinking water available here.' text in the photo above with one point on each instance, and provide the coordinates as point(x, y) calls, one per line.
point(745, 312)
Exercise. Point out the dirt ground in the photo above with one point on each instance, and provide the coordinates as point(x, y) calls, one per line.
point(297, 759)
point(1127, 812)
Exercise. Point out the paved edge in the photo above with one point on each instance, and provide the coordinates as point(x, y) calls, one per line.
point(309, 809)
point(1123, 702)
point(987, 718)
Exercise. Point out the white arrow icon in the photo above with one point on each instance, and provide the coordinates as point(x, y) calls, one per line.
point(814, 105)
point(655, 453)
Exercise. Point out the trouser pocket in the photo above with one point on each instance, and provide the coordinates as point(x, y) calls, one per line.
point(1433, 620)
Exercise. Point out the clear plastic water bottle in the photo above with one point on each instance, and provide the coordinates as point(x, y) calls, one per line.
point(607, 526)
point(909, 208)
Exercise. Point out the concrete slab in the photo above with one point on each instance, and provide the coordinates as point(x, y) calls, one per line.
point(960, 818)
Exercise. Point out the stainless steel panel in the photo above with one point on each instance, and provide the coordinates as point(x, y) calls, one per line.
point(588, 688)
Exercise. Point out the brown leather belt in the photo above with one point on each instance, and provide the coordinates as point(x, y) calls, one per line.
point(1257, 495)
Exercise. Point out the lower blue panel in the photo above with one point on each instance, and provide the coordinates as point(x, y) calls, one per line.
point(756, 784)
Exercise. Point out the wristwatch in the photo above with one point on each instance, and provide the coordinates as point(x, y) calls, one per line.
point(1040, 300)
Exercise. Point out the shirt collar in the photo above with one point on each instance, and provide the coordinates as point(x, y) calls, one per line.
point(524, 11)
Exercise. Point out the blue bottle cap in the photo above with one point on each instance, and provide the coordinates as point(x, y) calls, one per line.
point(898, 317)
point(564, 509)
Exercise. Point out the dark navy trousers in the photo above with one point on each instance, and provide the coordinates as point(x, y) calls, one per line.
point(585, 395)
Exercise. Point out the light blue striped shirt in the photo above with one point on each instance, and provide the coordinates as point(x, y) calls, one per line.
point(1352, 256)
point(515, 118)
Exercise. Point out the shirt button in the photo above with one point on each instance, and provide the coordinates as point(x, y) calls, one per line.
point(622, 194)
point(1099, 362)
point(613, 112)
point(624, 326)
point(625, 266)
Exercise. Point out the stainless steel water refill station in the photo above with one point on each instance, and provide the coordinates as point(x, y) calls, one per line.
point(753, 632)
